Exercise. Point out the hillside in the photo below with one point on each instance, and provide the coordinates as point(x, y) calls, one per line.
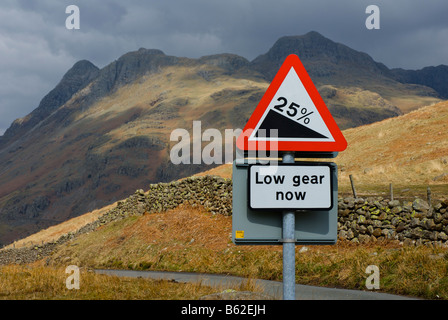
point(410, 151)
point(433, 77)
point(103, 144)
point(103, 133)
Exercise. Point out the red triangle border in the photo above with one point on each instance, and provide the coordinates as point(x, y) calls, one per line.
point(339, 144)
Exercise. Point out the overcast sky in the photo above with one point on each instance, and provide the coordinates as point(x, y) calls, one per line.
point(36, 48)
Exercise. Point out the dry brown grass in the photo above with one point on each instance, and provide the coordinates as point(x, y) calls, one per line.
point(410, 150)
point(223, 171)
point(408, 102)
point(55, 232)
point(192, 240)
point(37, 282)
point(142, 239)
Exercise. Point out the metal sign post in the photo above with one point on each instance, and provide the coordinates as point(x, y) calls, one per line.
point(289, 246)
point(258, 226)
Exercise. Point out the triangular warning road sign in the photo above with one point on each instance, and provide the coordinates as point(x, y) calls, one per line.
point(292, 116)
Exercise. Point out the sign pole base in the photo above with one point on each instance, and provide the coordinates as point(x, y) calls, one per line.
point(289, 246)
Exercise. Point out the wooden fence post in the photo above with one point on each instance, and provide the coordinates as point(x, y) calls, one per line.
point(353, 186)
point(428, 194)
point(391, 188)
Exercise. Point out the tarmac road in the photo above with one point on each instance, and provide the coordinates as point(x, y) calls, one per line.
point(271, 288)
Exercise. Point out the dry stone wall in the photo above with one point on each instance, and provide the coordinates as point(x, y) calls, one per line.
point(211, 192)
point(417, 222)
point(359, 220)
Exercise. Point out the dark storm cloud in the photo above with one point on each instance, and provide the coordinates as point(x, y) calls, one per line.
point(36, 49)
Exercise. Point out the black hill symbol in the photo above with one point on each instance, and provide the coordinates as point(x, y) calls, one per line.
point(287, 128)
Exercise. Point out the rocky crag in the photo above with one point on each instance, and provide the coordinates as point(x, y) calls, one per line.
point(359, 220)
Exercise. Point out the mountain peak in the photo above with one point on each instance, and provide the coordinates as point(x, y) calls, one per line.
point(141, 53)
point(309, 45)
point(321, 56)
point(129, 67)
point(313, 33)
point(82, 64)
point(227, 61)
point(75, 79)
point(150, 51)
point(311, 37)
point(79, 75)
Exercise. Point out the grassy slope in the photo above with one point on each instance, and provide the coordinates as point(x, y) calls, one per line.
point(183, 240)
point(410, 151)
point(191, 239)
point(38, 282)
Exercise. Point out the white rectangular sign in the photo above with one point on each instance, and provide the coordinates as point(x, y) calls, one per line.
point(299, 187)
